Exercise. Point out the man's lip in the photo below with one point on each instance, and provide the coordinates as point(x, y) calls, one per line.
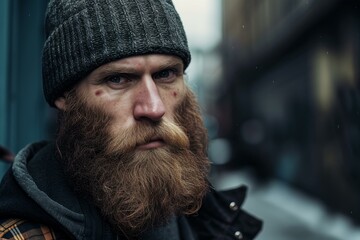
point(153, 143)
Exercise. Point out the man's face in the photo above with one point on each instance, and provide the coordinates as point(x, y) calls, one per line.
point(131, 137)
point(136, 89)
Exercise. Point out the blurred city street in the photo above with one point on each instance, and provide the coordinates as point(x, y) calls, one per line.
point(288, 214)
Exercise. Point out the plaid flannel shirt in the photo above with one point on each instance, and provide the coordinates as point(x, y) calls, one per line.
point(20, 229)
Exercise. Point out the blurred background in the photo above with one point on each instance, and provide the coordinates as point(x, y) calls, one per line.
point(278, 82)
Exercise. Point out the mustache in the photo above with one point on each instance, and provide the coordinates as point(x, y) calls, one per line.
point(144, 132)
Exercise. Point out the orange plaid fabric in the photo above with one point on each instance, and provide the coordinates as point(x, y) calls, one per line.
point(20, 229)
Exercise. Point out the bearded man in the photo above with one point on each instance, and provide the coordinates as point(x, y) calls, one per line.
point(129, 160)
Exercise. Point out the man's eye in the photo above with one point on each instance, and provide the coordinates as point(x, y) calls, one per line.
point(116, 80)
point(166, 75)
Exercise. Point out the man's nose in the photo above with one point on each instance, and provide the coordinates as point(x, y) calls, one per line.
point(148, 103)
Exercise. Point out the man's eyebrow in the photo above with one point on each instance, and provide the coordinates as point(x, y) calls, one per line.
point(107, 70)
point(171, 64)
point(128, 69)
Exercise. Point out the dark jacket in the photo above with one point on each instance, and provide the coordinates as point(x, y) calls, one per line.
point(35, 189)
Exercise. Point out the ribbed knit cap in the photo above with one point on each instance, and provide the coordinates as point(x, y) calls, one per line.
point(82, 35)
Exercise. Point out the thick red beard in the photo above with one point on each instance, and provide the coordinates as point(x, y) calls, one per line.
point(135, 190)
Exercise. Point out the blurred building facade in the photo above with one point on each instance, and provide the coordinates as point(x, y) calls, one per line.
point(24, 115)
point(289, 99)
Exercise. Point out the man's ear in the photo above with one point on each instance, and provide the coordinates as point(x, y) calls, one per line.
point(60, 103)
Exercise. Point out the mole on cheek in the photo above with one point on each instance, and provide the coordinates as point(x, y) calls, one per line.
point(98, 92)
point(175, 94)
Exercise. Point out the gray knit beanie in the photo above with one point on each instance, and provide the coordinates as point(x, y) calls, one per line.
point(82, 35)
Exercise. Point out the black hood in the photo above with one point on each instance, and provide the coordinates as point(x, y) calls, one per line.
point(40, 196)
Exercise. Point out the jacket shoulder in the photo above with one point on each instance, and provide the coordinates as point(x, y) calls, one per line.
point(222, 217)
